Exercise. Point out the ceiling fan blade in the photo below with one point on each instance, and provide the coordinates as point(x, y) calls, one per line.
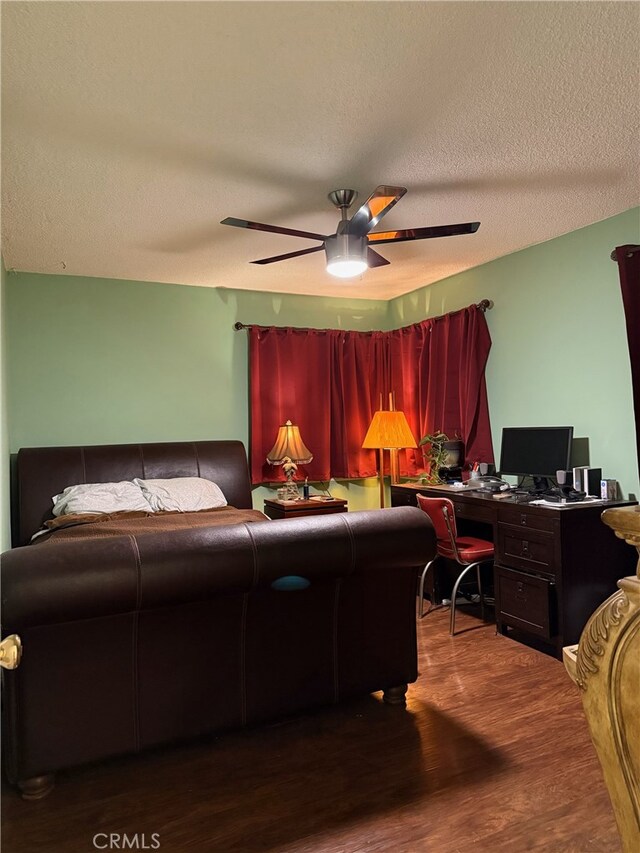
point(289, 255)
point(379, 202)
point(423, 233)
point(277, 229)
point(375, 260)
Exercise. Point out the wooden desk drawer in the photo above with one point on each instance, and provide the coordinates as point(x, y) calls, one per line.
point(475, 511)
point(521, 516)
point(533, 550)
point(403, 497)
point(526, 602)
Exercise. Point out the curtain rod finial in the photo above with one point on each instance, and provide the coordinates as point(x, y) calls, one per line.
point(631, 249)
point(485, 304)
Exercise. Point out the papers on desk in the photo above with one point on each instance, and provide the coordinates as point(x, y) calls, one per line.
point(565, 504)
point(447, 487)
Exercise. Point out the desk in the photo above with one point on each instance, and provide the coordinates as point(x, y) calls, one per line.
point(553, 566)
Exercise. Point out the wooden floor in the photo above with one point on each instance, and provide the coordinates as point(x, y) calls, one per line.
point(491, 754)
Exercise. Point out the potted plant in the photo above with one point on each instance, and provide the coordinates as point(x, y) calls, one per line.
point(439, 452)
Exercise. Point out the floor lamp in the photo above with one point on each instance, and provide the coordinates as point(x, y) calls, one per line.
point(387, 431)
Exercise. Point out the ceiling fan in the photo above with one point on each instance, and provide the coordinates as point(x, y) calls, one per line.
point(349, 251)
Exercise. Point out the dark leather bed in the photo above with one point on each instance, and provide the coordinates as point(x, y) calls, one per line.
point(134, 641)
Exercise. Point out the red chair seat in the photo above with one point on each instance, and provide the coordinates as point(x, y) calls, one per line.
point(470, 549)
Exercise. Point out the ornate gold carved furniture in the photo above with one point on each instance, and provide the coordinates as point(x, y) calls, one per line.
point(606, 667)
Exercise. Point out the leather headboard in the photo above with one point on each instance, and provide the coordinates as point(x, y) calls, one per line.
point(42, 472)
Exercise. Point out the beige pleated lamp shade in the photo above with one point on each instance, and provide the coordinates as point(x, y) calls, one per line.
point(289, 443)
point(389, 430)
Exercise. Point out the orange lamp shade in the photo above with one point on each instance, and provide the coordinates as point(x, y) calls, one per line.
point(389, 430)
point(289, 444)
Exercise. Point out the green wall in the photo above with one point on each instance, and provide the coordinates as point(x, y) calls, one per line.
point(104, 361)
point(5, 532)
point(559, 353)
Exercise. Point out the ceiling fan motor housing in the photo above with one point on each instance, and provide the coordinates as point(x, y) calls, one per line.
point(346, 254)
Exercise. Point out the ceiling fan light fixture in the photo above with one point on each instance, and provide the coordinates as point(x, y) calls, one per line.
point(346, 255)
point(346, 269)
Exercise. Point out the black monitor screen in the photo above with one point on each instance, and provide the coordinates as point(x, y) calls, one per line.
point(535, 451)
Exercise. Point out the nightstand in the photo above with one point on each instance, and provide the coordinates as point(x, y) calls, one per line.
point(296, 509)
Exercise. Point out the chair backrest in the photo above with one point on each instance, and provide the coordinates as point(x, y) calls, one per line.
point(438, 509)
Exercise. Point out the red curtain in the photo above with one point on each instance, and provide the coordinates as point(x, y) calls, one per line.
point(326, 382)
point(329, 382)
point(628, 258)
point(437, 371)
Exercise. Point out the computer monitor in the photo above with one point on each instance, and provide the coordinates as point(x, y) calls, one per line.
point(536, 452)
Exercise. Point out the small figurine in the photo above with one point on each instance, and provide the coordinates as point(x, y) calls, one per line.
point(289, 467)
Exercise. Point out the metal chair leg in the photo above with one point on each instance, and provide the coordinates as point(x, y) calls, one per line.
point(482, 604)
point(423, 578)
point(454, 595)
point(479, 575)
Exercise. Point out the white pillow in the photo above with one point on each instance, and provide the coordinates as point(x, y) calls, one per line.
point(100, 497)
point(185, 494)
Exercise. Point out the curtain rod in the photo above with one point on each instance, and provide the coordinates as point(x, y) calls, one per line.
point(630, 252)
point(483, 305)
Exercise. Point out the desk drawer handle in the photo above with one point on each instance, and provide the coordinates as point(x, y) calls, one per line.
point(525, 548)
point(523, 520)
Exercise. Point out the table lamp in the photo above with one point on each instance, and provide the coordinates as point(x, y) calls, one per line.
point(388, 431)
point(288, 450)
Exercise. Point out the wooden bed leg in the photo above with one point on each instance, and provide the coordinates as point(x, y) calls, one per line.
point(396, 695)
point(37, 787)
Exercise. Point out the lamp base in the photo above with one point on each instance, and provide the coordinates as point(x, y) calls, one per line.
point(289, 492)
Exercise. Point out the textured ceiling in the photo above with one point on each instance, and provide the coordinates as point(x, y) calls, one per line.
point(129, 130)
